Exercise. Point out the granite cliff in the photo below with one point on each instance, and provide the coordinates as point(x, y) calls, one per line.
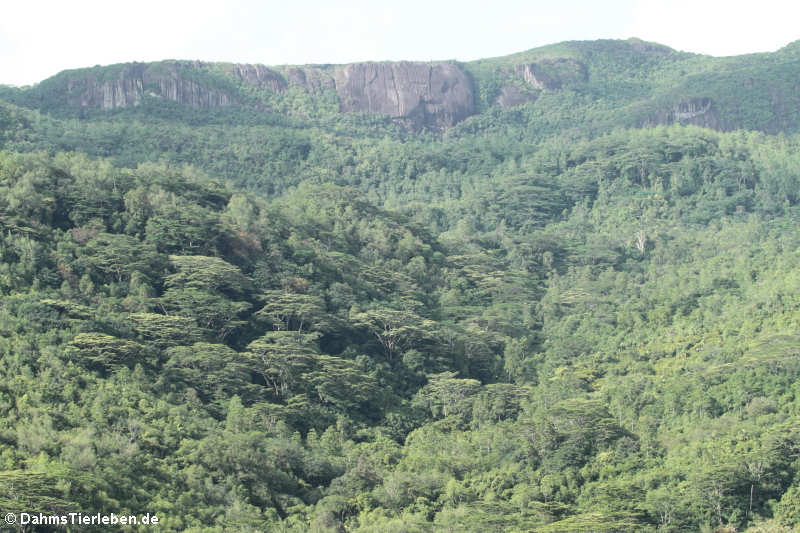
point(552, 74)
point(437, 96)
point(549, 74)
point(101, 89)
point(600, 83)
point(695, 111)
point(419, 95)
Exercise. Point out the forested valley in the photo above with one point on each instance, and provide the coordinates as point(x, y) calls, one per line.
point(565, 315)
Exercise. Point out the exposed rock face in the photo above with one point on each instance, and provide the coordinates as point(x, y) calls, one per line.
point(311, 79)
point(692, 109)
point(419, 95)
point(437, 96)
point(696, 111)
point(125, 91)
point(186, 91)
point(511, 96)
point(552, 74)
point(135, 80)
point(257, 75)
point(534, 75)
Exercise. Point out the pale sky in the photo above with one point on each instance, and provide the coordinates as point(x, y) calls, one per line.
point(39, 38)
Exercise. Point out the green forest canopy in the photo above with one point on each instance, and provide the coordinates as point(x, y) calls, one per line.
point(325, 323)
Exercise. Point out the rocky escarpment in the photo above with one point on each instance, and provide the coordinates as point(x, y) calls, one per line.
point(552, 74)
point(420, 95)
point(545, 75)
point(257, 75)
point(695, 111)
point(311, 79)
point(104, 90)
point(436, 96)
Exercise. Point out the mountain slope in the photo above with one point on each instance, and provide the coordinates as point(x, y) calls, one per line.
point(645, 82)
point(272, 315)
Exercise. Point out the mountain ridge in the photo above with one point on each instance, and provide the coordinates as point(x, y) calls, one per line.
point(652, 82)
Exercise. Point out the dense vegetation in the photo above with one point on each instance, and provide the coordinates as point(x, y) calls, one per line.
point(324, 323)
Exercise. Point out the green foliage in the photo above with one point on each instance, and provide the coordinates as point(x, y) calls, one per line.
point(292, 311)
point(104, 351)
point(207, 273)
point(215, 371)
point(541, 320)
point(33, 492)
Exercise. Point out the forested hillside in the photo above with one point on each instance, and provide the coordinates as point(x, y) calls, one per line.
point(576, 313)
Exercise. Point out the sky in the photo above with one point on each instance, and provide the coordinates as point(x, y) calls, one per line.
point(39, 38)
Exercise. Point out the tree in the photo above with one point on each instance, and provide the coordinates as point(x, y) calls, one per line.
point(280, 358)
point(395, 330)
point(341, 382)
point(287, 310)
point(641, 241)
point(118, 256)
point(214, 370)
point(105, 351)
point(23, 491)
point(720, 490)
point(211, 312)
point(446, 395)
point(165, 330)
point(189, 227)
point(787, 511)
point(206, 273)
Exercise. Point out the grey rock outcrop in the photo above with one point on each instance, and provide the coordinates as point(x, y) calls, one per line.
point(124, 91)
point(189, 92)
point(134, 81)
point(311, 79)
point(257, 75)
point(436, 96)
point(552, 74)
point(419, 95)
point(511, 96)
point(690, 110)
point(696, 111)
